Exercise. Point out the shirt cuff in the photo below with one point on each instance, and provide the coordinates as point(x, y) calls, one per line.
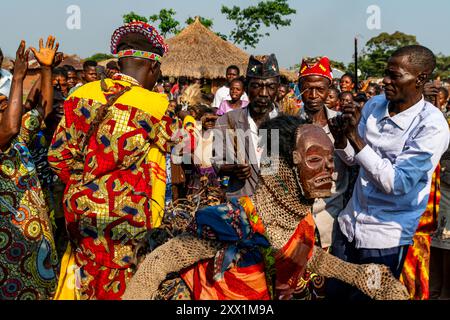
point(347, 152)
point(368, 158)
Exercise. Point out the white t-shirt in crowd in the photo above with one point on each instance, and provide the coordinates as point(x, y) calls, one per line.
point(224, 94)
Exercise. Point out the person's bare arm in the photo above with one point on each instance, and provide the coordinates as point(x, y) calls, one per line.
point(33, 96)
point(46, 56)
point(12, 117)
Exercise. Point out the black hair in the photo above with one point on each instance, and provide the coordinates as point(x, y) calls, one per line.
point(240, 79)
point(178, 108)
point(89, 64)
point(420, 57)
point(360, 97)
point(182, 80)
point(69, 68)
point(336, 90)
point(287, 128)
point(376, 86)
point(59, 72)
point(112, 65)
point(445, 91)
point(1, 53)
point(233, 67)
point(349, 75)
point(344, 93)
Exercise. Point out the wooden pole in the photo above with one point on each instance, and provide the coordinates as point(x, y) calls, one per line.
point(356, 65)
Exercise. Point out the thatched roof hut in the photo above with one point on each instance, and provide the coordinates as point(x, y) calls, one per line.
point(197, 52)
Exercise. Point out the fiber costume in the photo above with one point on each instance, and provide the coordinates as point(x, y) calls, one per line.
point(258, 247)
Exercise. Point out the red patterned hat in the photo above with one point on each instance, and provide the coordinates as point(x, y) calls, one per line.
point(142, 28)
point(316, 68)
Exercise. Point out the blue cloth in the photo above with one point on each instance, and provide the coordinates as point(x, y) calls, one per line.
point(228, 223)
point(397, 165)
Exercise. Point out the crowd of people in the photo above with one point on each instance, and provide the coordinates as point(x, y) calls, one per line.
point(120, 183)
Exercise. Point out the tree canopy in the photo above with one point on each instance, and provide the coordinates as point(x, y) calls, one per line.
point(249, 21)
point(100, 57)
point(167, 23)
point(378, 50)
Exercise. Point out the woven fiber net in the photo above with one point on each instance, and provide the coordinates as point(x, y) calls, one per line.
point(280, 204)
point(374, 280)
point(173, 256)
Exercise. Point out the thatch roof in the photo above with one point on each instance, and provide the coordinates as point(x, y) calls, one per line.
point(197, 52)
point(74, 61)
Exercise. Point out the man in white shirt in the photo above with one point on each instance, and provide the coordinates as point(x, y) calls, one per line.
point(223, 93)
point(398, 140)
point(5, 78)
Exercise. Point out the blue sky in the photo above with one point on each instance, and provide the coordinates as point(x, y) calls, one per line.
point(320, 27)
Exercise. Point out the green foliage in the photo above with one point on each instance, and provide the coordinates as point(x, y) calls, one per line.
point(167, 23)
point(100, 57)
point(130, 17)
point(378, 50)
point(204, 21)
point(250, 20)
point(443, 66)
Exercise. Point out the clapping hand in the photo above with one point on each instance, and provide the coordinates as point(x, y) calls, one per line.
point(46, 55)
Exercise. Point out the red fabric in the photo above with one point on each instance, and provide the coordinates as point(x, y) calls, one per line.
point(321, 68)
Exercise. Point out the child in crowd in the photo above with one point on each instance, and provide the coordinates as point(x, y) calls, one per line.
point(236, 92)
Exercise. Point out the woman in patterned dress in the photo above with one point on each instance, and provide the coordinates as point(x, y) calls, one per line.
point(28, 258)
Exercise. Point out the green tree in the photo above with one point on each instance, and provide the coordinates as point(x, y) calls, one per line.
point(167, 23)
point(100, 57)
point(442, 66)
point(250, 20)
point(377, 51)
point(130, 17)
point(204, 21)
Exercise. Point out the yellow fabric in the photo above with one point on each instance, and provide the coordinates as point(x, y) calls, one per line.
point(188, 120)
point(150, 102)
point(158, 161)
point(67, 284)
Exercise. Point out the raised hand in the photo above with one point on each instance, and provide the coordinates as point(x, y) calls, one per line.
point(21, 63)
point(351, 115)
point(338, 128)
point(46, 55)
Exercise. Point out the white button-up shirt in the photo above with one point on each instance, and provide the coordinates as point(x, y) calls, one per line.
point(393, 186)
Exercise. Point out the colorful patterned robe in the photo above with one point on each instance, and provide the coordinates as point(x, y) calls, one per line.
point(28, 259)
point(416, 269)
point(115, 189)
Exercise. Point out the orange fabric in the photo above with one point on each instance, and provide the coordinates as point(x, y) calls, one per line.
point(415, 274)
point(250, 283)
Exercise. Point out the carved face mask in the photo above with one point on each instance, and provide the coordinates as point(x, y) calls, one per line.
point(314, 161)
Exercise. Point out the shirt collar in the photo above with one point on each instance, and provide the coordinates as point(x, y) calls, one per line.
point(404, 119)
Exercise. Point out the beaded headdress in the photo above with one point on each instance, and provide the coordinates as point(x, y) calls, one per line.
point(142, 28)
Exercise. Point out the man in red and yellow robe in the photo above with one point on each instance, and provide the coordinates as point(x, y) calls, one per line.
point(115, 188)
